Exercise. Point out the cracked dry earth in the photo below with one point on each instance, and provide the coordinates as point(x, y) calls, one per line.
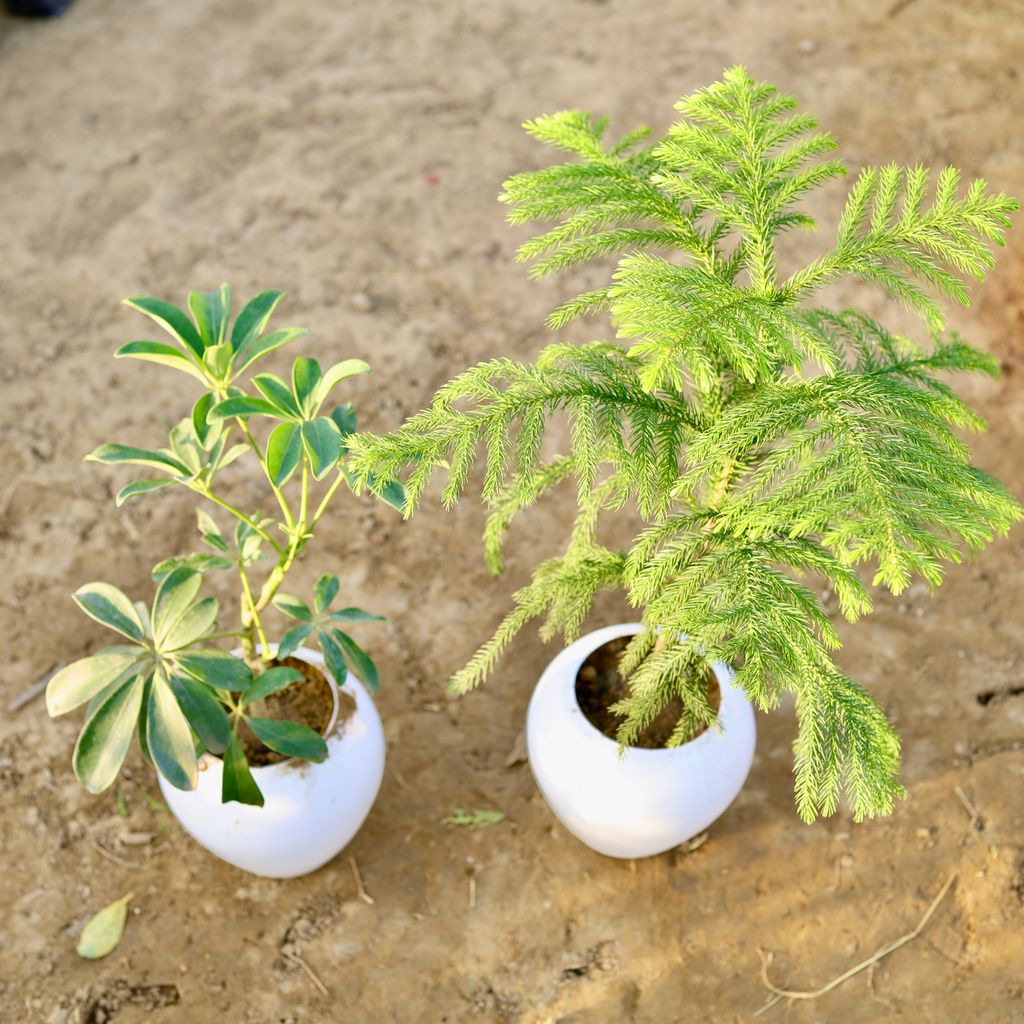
point(351, 154)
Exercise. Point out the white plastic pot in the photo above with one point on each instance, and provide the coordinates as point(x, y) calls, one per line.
point(647, 801)
point(311, 811)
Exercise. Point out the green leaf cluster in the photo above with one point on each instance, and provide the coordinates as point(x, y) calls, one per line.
point(767, 446)
point(319, 622)
point(180, 695)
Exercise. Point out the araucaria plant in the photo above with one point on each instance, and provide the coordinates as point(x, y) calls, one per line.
point(765, 442)
point(183, 694)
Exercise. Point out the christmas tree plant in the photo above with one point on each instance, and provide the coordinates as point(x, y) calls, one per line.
point(764, 442)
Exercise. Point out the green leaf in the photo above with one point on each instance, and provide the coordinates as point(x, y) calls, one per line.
point(201, 561)
point(325, 591)
point(133, 490)
point(103, 743)
point(473, 820)
point(211, 311)
point(205, 432)
point(112, 454)
point(236, 451)
point(174, 595)
point(344, 417)
point(158, 352)
point(260, 347)
point(334, 656)
point(249, 549)
point(305, 378)
point(243, 406)
point(322, 442)
point(251, 321)
point(209, 530)
point(355, 615)
point(293, 640)
point(204, 712)
point(362, 664)
point(169, 736)
point(79, 682)
point(217, 359)
point(237, 783)
point(270, 681)
point(293, 739)
point(185, 447)
point(392, 493)
point(144, 703)
point(103, 931)
point(278, 394)
point(284, 452)
point(218, 669)
point(196, 623)
point(109, 606)
point(171, 319)
point(294, 607)
point(335, 375)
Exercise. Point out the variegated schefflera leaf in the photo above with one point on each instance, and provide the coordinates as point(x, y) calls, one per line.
point(167, 686)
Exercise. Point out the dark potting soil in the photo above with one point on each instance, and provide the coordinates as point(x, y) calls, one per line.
point(307, 701)
point(599, 685)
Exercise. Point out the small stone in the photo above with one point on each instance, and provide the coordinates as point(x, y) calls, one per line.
point(807, 46)
point(361, 302)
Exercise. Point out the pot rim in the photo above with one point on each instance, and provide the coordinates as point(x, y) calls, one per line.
point(723, 674)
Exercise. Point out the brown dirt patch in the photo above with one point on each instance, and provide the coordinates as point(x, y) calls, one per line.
point(308, 701)
point(351, 154)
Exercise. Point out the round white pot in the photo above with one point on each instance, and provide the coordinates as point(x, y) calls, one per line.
point(647, 801)
point(311, 811)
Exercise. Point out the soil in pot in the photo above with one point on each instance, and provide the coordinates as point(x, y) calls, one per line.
point(308, 701)
point(599, 685)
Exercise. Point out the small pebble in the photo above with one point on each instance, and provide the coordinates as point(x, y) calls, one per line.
point(807, 46)
point(361, 302)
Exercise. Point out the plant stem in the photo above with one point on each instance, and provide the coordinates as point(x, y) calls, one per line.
point(724, 482)
point(304, 500)
point(322, 507)
point(251, 620)
point(298, 539)
point(239, 514)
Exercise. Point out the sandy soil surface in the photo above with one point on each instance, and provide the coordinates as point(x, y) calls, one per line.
point(351, 154)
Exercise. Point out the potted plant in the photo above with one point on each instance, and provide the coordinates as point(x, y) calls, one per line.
point(762, 441)
point(270, 755)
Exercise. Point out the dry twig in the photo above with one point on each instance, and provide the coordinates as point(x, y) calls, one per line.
point(360, 888)
point(310, 973)
point(976, 820)
point(101, 849)
point(783, 993)
point(33, 690)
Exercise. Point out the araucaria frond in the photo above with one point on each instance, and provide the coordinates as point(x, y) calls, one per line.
point(761, 441)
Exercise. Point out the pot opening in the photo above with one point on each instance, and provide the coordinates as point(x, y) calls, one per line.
point(599, 685)
point(309, 701)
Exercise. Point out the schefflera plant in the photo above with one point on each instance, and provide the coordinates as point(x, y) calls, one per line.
point(764, 442)
point(166, 680)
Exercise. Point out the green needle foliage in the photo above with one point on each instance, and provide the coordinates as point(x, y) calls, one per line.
point(764, 442)
point(167, 683)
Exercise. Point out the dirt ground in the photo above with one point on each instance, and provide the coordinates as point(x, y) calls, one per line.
point(351, 154)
